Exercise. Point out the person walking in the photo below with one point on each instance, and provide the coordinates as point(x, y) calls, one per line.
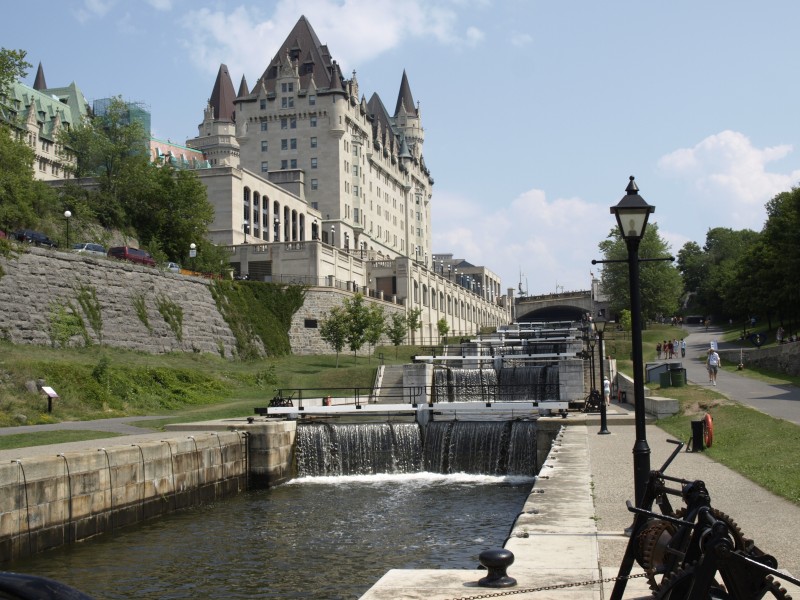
point(683, 348)
point(607, 391)
point(712, 363)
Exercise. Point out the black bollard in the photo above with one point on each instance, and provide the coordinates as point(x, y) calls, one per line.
point(497, 561)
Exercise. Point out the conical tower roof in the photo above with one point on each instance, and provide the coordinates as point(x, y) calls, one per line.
point(222, 96)
point(243, 91)
point(404, 98)
point(39, 83)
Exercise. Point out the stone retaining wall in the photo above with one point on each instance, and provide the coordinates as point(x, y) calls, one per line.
point(304, 332)
point(37, 283)
point(784, 358)
point(46, 502)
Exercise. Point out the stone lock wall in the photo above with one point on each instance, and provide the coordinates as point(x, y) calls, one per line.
point(784, 358)
point(46, 502)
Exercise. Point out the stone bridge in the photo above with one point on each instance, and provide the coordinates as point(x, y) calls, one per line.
point(565, 306)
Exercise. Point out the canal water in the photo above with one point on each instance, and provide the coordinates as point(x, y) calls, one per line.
point(316, 537)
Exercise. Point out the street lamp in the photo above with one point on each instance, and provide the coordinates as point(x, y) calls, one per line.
point(591, 341)
point(600, 327)
point(67, 217)
point(632, 213)
point(277, 229)
point(333, 229)
point(192, 253)
point(346, 242)
point(314, 230)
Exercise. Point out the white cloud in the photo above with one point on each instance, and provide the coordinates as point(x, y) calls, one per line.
point(550, 242)
point(521, 39)
point(94, 9)
point(730, 174)
point(162, 5)
point(246, 38)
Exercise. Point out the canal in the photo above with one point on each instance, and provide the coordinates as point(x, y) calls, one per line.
point(315, 538)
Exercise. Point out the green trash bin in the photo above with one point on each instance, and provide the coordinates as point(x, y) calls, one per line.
point(678, 377)
point(664, 379)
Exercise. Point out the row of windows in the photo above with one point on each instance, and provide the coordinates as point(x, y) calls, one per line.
point(287, 164)
point(289, 123)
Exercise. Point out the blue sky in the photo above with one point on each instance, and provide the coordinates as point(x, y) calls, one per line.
point(536, 112)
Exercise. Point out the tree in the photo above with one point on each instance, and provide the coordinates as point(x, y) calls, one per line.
point(397, 330)
point(376, 325)
point(659, 281)
point(357, 322)
point(442, 327)
point(334, 330)
point(13, 67)
point(414, 320)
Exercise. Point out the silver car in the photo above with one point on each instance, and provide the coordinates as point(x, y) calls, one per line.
point(89, 248)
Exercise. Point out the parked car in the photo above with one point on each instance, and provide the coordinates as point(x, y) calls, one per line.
point(173, 267)
point(89, 248)
point(30, 236)
point(133, 255)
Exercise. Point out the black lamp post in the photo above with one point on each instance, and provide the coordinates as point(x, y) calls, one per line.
point(333, 230)
point(632, 213)
point(314, 233)
point(600, 327)
point(591, 340)
point(277, 229)
point(67, 217)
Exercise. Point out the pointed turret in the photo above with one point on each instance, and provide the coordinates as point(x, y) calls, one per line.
point(39, 83)
point(222, 96)
point(243, 91)
point(404, 99)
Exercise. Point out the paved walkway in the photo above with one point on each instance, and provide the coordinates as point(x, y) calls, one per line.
point(780, 401)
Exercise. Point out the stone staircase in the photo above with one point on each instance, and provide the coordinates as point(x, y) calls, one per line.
point(391, 386)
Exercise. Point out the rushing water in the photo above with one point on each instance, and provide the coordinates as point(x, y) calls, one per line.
point(317, 537)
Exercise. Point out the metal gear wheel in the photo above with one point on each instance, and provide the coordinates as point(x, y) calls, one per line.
point(676, 586)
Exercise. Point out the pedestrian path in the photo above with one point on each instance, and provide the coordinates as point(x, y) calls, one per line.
point(779, 401)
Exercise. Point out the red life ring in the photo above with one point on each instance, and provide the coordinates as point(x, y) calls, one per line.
point(708, 430)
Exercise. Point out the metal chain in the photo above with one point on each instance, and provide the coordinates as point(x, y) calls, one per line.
point(557, 586)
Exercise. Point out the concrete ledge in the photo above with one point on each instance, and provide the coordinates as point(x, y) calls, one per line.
point(660, 407)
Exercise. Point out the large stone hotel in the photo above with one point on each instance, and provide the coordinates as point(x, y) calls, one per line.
point(314, 183)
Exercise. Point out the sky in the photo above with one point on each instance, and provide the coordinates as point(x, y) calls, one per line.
point(535, 112)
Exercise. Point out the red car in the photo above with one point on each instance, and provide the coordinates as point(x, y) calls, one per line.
point(133, 255)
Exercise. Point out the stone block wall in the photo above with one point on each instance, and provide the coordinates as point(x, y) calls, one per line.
point(305, 338)
point(784, 358)
point(38, 282)
point(270, 448)
point(46, 502)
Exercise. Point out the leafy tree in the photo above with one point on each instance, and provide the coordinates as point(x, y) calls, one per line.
point(376, 325)
point(18, 189)
point(692, 266)
point(782, 235)
point(397, 329)
point(414, 320)
point(660, 282)
point(625, 320)
point(442, 327)
point(358, 320)
point(334, 329)
point(13, 67)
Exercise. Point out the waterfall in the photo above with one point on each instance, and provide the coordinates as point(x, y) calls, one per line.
point(529, 383)
point(488, 448)
point(472, 385)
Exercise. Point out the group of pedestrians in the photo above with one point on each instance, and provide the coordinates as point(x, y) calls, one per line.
point(669, 349)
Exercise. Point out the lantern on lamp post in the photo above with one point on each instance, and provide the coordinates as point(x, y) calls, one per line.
point(632, 213)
